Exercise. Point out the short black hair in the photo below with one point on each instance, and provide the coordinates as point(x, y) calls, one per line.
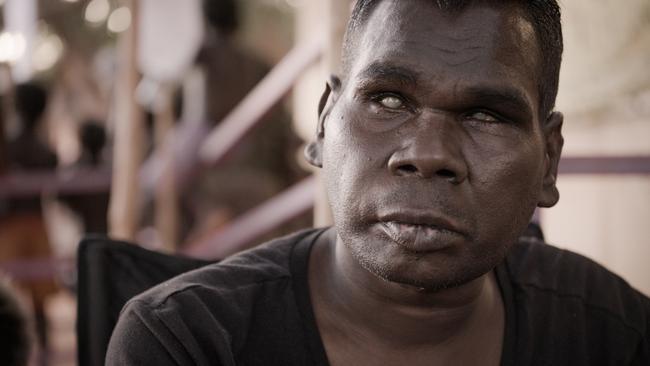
point(223, 15)
point(544, 15)
point(93, 138)
point(15, 336)
point(30, 102)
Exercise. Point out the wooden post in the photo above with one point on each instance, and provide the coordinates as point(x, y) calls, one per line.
point(5, 110)
point(166, 195)
point(3, 142)
point(124, 211)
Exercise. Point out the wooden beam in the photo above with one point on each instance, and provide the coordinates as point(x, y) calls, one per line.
point(166, 195)
point(38, 269)
point(3, 118)
point(7, 111)
point(34, 183)
point(242, 231)
point(605, 165)
point(124, 210)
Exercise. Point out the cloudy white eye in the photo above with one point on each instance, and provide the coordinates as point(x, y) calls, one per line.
point(391, 102)
point(484, 117)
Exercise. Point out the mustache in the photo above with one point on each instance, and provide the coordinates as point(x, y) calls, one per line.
point(441, 202)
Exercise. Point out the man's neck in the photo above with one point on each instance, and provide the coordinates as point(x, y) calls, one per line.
point(352, 302)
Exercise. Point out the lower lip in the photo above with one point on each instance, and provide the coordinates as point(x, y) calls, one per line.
point(420, 238)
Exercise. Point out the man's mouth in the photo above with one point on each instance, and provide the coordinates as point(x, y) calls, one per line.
point(419, 233)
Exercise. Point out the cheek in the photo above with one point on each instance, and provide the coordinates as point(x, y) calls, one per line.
point(352, 165)
point(507, 185)
point(341, 166)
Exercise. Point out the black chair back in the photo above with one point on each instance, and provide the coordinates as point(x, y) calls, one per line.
point(109, 274)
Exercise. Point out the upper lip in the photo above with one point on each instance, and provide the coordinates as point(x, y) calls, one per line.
point(424, 218)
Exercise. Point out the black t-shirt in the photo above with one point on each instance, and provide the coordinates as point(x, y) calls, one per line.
point(254, 309)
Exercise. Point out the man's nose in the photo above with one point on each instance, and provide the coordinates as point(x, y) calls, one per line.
point(432, 149)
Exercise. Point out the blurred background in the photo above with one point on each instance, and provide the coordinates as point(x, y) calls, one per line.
point(179, 126)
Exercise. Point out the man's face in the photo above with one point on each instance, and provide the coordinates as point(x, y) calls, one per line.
point(433, 152)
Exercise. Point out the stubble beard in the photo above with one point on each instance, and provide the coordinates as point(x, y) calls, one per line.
point(373, 261)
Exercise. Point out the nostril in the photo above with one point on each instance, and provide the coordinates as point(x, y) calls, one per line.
point(446, 173)
point(407, 169)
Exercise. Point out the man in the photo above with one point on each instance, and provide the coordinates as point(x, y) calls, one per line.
point(23, 234)
point(436, 145)
point(264, 162)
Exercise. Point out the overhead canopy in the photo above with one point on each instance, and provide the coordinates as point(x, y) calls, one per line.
point(171, 33)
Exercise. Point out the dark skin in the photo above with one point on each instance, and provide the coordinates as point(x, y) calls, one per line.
point(435, 154)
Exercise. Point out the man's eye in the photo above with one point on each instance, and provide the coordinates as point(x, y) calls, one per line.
point(391, 102)
point(483, 117)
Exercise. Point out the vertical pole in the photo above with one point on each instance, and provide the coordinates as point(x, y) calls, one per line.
point(6, 109)
point(166, 196)
point(124, 211)
point(20, 18)
point(3, 143)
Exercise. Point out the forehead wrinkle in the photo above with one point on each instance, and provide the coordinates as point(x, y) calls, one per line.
point(382, 70)
point(390, 21)
point(402, 50)
point(499, 94)
point(461, 62)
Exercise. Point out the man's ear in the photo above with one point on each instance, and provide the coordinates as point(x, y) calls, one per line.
point(554, 141)
point(314, 149)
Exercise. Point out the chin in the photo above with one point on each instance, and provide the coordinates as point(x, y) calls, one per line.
point(429, 272)
point(432, 281)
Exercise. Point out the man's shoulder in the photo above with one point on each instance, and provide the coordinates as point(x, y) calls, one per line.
point(540, 270)
point(218, 313)
point(239, 275)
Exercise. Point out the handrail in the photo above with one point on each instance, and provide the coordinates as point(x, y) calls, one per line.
point(94, 180)
point(191, 145)
point(243, 117)
point(596, 165)
point(259, 101)
point(240, 232)
point(37, 269)
point(65, 181)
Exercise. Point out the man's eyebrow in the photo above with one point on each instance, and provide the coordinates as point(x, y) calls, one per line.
point(489, 95)
point(389, 72)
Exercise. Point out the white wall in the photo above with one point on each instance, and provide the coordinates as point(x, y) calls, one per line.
point(605, 95)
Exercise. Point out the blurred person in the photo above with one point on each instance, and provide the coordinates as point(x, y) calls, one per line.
point(436, 144)
point(91, 207)
point(92, 135)
point(15, 334)
point(23, 234)
point(263, 163)
point(27, 151)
